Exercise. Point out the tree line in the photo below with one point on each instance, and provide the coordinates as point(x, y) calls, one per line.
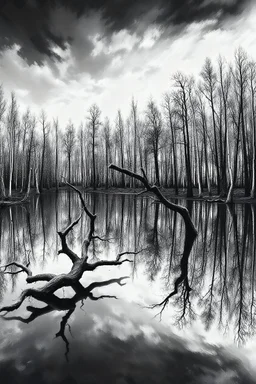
point(200, 136)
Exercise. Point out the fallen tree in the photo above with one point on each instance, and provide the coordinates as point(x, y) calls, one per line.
point(80, 265)
point(181, 282)
point(53, 282)
point(190, 228)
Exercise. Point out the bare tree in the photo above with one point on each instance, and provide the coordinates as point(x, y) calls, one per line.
point(94, 124)
point(69, 144)
point(45, 130)
point(240, 77)
point(12, 127)
point(252, 82)
point(203, 124)
point(154, 132)
point(107, 142)
point(209, 90)
point(181, 98)
point(170, 114)
point(134, 117)
point(56, 128)
point(225, 87)
point(2, 112)
point(120, 142)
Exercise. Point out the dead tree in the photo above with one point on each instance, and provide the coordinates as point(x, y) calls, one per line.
point(80, 265)
point(69, 141)
point(190, 236)
point(45, 130)
point(94, 124)
point(53, 282)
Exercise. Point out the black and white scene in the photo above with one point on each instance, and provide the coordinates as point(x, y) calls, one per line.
point(128, 192)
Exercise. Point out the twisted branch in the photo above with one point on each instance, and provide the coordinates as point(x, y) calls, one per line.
point(190, 236)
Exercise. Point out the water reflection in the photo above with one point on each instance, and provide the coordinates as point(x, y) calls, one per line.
point(216, 273)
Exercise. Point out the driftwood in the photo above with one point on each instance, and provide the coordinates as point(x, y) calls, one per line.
point(80, 265)
point(181, 281)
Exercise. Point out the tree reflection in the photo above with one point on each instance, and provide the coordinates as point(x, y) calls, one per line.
point(211, 277)
point(53, 282)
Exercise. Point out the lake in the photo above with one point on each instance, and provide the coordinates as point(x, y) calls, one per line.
point(204, 334)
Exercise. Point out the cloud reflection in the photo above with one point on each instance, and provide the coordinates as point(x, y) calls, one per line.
point(108, 346)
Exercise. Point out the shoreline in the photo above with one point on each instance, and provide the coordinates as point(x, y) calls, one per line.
point(169, 193)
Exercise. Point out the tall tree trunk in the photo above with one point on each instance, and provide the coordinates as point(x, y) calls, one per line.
point(2, 185)
point(10, 170)
point(42, 166)
point(29, 183)
point(93, 160)
point(56, 156)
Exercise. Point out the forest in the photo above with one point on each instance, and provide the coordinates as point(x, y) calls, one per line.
point(186, 262)
point(201, 137)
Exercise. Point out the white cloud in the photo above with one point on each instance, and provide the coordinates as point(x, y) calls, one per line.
point(150, 37)
point(109, 71)
point(122, 40)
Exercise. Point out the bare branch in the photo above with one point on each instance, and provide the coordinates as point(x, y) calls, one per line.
point(128, 253)
point(107, 282)
point(22, 267)
point(71, 226)
point(142, 179)
point(41, 277)
point(174, 207)
point(65, 249)
point(61, 333)
point(142, 192)
point(102, 263)
point(95, 298)
point(90, 214)
point(144, 173)
point(102, 239)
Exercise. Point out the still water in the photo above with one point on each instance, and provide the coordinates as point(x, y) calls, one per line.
point(203, 335)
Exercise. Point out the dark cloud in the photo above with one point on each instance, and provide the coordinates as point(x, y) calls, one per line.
point(28, 23)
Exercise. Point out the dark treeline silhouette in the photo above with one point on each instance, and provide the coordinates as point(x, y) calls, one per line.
point(200, 136)
point(216, 277)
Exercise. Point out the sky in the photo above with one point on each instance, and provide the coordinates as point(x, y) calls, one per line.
point(63, 56)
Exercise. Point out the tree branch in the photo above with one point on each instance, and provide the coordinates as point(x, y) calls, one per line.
point(128, 253)
point(90, 214)
point(65, 248)
point(107, 282)
point(174, 207)
point(102, 263)
point(95, 298)
point(23, 268)
point(61, 332)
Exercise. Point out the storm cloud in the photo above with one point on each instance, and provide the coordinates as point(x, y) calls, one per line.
point(31, 25)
